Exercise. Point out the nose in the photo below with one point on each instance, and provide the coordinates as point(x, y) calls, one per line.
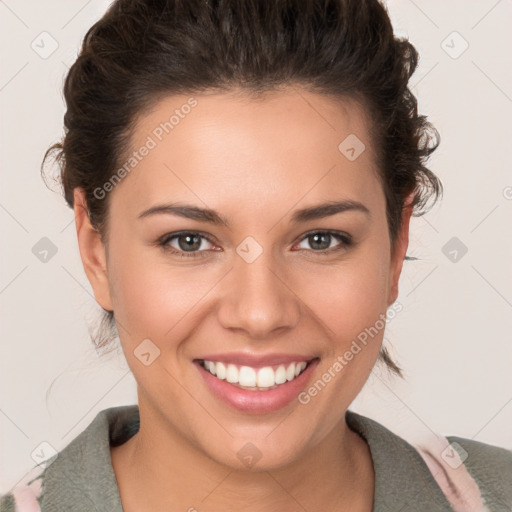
point(259, 299)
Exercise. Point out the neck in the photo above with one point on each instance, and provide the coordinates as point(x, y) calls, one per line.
point(158, 469)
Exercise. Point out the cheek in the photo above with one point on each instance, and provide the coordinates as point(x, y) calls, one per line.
point(350, 296)
point(156, 300)
point(141, 292)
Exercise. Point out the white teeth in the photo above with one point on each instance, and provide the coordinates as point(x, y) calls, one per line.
point(211, 367)
point(299, 368)
point(247, 376)
point(266, 377)
point(219, 369)
point(232, 373)
point(257, 378)
point(280, 375)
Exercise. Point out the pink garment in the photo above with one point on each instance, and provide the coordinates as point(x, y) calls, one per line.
point(28, 491)
point(447, 467)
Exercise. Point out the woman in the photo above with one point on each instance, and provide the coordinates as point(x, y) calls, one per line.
point(243, 175)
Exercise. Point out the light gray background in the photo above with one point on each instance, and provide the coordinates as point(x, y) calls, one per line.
point(453, 336)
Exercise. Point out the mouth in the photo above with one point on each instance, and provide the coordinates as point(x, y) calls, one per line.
point(255, 379)
point(253, 387)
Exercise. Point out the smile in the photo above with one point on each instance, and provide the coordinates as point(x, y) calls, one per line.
point(255, 379)
point(257, 385)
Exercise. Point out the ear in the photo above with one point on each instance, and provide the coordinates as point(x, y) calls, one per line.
point(92, 251)
point(400, 250)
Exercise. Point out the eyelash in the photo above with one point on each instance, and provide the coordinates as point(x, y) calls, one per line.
point(345, 238)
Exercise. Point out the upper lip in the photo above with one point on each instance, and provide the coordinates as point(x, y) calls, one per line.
point(255, 361)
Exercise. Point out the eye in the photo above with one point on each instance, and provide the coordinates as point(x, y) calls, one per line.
point(321, 241)
point(188, 243)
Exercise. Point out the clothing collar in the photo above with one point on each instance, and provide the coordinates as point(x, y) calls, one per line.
point(82, 478)
point(403, 481)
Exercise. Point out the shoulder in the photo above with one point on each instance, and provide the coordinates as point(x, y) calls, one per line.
point(26, 495)
point(446, 472)
point(472, 474)
point(80, 474)
point(491, 468)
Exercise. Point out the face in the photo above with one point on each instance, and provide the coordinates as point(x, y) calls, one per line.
point(219, 250)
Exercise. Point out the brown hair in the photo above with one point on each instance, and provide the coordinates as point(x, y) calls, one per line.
point(143, 50)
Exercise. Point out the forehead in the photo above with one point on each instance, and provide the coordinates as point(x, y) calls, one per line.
point(252, 151)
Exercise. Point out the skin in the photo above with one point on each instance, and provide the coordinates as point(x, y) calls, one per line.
point(255, 162)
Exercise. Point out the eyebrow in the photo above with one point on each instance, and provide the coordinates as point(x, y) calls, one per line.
point(319, 211)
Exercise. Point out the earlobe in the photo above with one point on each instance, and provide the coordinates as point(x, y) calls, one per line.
point(400, 250)
point(92, 251)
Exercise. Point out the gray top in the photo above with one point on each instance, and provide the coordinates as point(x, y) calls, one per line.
point(81, 477)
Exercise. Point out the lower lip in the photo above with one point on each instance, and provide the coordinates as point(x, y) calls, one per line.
point(257, 402)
